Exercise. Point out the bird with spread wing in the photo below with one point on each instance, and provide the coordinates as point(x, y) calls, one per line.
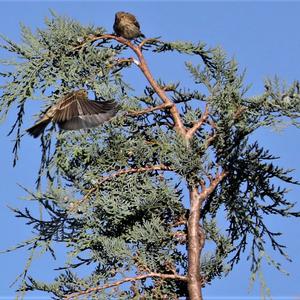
point(75, 111)
point(127, 26)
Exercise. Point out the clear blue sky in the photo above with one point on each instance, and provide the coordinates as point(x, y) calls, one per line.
point(263, 37)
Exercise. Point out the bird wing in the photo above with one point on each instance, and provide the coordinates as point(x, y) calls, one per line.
point(68, 107)
point(133, 19)
point(92, 114)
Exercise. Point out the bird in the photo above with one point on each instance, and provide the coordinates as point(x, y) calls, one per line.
point(75, 111)
point(127, 26)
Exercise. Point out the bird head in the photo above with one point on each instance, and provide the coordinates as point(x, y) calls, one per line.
point(82, 93)
point(120, 14)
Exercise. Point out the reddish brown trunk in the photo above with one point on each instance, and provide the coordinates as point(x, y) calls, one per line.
point(195, 245)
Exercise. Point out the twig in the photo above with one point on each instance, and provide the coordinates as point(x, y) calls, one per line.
point(212, 124)
point(124, 60)
point(198, 124)
point(206, 191)
point(210, 140)
point(178, 223)
point(134, 170)
point(93, 38)
point(180, 236)
point(147, 110)
point(145, 41)
point(103, 179)
point(128, 279)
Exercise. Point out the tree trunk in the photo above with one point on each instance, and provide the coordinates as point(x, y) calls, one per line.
point(195, 244)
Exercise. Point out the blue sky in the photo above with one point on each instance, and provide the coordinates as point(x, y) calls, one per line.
point(264, 39)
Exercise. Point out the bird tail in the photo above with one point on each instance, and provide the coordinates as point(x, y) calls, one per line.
point(38, 128)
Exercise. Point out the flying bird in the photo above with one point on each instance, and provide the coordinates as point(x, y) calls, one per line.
point(75, 111)
point(127, 26)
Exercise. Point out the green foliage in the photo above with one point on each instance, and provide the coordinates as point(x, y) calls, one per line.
point(116, 224)
point(47, 66)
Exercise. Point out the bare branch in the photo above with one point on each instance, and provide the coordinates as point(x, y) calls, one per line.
point(178, 124)
point(128, 279)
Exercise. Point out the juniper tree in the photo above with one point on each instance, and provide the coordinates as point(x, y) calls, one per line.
point(116, 196)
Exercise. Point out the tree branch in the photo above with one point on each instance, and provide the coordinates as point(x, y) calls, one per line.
point(128, 279)
point(142, 64)
point(103, 179)
point(178, 124)
point(134, 170)
point(148, 110)
point(93, 38)
point(145, 41)
point(197, 125)
point(206, 191)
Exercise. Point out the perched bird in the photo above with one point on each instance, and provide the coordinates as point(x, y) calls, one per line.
point(75, 111)
point(127, 26)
